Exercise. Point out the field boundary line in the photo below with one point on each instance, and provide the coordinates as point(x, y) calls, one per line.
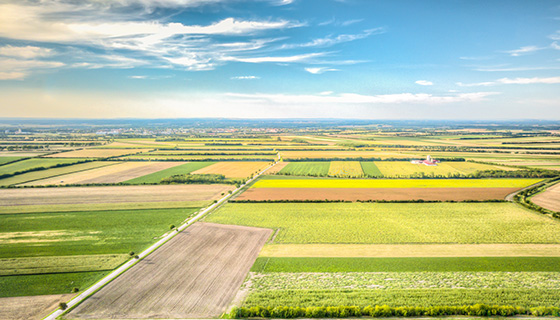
point(123, 268)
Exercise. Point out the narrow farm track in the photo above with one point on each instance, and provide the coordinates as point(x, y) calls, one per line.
point(195, 275)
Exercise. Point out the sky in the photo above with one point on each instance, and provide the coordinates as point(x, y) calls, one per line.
point(359, 59)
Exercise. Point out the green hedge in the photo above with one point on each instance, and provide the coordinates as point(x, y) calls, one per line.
point(480, 310)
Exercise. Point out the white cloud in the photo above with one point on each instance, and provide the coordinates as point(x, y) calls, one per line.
point(319, 70)
point(510, 69)
point(138, 77)
point(18, 69)
point(284, 59)
point(535, 80)
point(555, 45)
point(555, 35)
point(27, 52)
point(12, 75)
point(424, 83)
point(245, 78)
point(330, 41)
point(523, 50)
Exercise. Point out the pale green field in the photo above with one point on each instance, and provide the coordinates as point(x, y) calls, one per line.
point(346, 169)
point(444, 169)
point(393, 222)
point(395, 183)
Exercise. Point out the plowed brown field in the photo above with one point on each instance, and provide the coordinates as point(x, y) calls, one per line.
point(194, 275)
point(120, 194)
point(550, 199)
point(354, 194)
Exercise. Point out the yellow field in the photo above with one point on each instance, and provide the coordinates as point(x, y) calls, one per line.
point(345, 169)
point(112, 174)
point(95, 153)
point(409, 250)
point(234, 169)
point(406, 169)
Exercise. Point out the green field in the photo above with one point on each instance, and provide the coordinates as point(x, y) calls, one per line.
point(404, 297)
point(306, 168)
point(49, 283)
point(423, 264)
point(4, 160)
point(28, 164)
point(180, 169)
point(59, 264)
point(43, 174)
point(84, 233)
point(370, 169)
point(406, 169)
point(395, 183)
point(393, 222)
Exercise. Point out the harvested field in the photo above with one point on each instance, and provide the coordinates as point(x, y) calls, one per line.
point(235, 169)
point(96, 153)
point(278, 167)
point(549, 199)
point(409, 250)
point(43, 174)
point(340, 154)
point(156, 177)
point(394, 183)
point(407, 169)
point(116, 194)
point(345, 169)
point(194, 275)
point(113, 174)
point(363, 194)
point(30, 307)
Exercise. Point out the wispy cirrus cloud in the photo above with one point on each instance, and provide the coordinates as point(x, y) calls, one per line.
point(25, 52)
point(332, 40)
point(524, 50)
point(424, 83)
point(277, 59)
point(319, 70)
point(245, 78)
point(534, 80)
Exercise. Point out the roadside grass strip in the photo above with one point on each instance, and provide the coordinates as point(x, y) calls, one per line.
point(395, 183)
point(404, 297)
point(306, 168)
point(60, 264)
point(415, 264)
point(345, 169)
point(180, 169)
point(393, 223)
point(370, 169)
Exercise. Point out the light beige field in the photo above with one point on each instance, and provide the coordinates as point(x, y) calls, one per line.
point(234, 169)
point(111, 194)
point(194, 275)
point(113, 174)
point(279, 166)
point(96, 153)
point(345, 169)
point(410, 250)
point(340, 154)
point(31, 307)
point(550, 199)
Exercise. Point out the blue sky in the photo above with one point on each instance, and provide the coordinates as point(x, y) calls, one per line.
point(445, 59)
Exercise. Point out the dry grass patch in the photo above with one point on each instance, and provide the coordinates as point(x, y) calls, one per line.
point(345, 169)
point(279, 166)
point(30, 307)
point(234, 169)
point(549, 199)
point(409, 250)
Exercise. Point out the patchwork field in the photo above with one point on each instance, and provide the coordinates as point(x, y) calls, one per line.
point(394, 183)
point(113, 194)
point(8, 159)
point(96, 153)
point(549, 199)
point(394, 223)
point(114, 174)
point(194, 275)
point(365, 194)
point(278, 167)
point(406, 169)
point(33, 163)
point(234, 169)
point(53, 172)
point(346, 169)
point(180, 168)
point(288, 155)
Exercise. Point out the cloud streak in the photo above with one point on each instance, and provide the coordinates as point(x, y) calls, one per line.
point(535, 80)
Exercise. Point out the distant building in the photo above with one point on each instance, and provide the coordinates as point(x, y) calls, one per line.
point(428, 162)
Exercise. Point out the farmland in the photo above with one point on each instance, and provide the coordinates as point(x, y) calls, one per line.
point(34, 163)
point(96, 153)
point(395, 183)
point(306, 168)
point(345, 169)
point(549, 199)
point(195, 276)
point(25, 308)
point(178, 169)
point(406, 169)
point(237, 169)
point(394, 222)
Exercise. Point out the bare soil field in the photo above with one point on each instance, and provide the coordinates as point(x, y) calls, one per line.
point(550, 199)
point(96, 153)
point(32, 307)
point(234, 169)
point(354, 194)
point(409, 250)
point(194, 275)
point(116, 194)
point(113, 174)
point(279, 166)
